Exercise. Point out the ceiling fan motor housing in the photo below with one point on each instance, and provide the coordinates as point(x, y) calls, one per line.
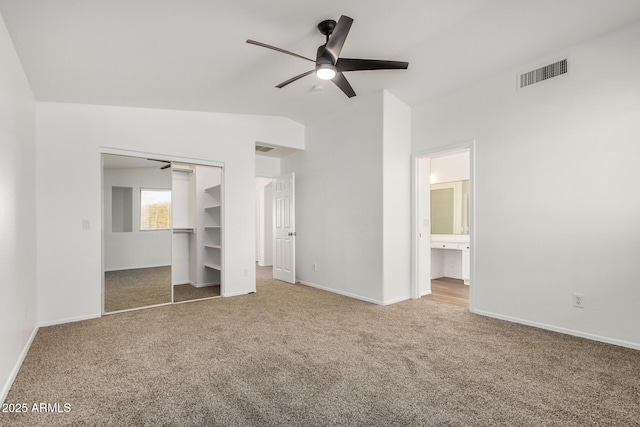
point(326, 27)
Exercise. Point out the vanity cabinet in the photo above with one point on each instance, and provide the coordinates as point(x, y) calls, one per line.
point(450, 258)
point(466, 264)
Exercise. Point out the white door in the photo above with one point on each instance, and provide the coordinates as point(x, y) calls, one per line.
point(284, 230)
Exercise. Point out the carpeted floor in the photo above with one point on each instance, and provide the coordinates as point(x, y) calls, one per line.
point(140, 287)
point(187, 292)
point(294, 355)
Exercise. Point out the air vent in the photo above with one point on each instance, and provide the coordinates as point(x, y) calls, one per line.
point(544, 73)
point(263, 149)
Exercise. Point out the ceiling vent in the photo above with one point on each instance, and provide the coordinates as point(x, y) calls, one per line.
point(263, 149)
point(543, 73)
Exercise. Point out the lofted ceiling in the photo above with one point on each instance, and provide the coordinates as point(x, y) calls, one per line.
point(192, 55)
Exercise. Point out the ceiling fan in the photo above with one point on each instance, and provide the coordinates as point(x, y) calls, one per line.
point(329, 65)
point(166, 166)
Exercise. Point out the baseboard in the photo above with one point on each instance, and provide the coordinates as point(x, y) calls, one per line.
point(67, 320)
point(396, 300)
point(621, 343)
point(237, 294)
point(16, 368)
point(339, 292)
point(203, 285)
point(135, 268)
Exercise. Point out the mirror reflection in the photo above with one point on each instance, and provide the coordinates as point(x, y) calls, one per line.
point(450, 207)
point(137, 232)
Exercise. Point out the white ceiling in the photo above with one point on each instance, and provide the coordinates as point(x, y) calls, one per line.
point(192, 55)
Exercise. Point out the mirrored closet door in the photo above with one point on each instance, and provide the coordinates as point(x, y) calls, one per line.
point(137, 232)
point(163, 232)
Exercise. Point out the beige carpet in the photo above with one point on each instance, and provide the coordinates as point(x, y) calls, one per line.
point(187, 292)
point(140, 287)
point(294, 355)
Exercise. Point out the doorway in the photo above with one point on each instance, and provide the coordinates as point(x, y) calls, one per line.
point(443, 242)
point(163, 232)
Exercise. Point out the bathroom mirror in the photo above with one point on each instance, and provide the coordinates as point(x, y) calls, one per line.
point(137, 232)
point(450, 207)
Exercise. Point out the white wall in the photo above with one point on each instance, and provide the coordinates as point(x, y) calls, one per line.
point(556, 184)
point(264, 221)
point(449, 168)
point(353, 201)
point(396, 187)
point(17, 213)
point(70, 138)
point(339, 201)
point(267, 166)
point(135, 249)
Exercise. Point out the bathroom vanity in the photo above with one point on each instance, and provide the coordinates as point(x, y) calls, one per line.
point(450, 256)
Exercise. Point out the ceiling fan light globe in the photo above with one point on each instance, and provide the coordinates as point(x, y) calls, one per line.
point(326, 73)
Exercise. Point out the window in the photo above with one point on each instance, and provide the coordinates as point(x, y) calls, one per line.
point(155, 209)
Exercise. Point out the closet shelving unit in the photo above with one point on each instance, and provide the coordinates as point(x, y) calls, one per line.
point(213, 227)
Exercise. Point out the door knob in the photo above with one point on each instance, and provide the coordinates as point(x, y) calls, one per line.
point(292, 233)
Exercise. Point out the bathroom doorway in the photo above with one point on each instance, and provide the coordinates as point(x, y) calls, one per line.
point(443, 225)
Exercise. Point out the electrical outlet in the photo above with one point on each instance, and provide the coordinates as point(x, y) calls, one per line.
point(315, 266)
point(578, 300)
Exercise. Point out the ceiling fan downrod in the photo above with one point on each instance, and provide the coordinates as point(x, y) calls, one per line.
point(326, 28)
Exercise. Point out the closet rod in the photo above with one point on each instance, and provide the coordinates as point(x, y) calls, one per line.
point(179, 169)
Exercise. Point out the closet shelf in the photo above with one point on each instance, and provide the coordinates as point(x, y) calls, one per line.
point(183, 230)
point(213, 246)
point(212, 189)
point(210, 208)
point(211, 227)
point(214, 266)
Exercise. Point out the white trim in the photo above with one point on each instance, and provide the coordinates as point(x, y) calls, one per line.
point(395, 300)
point(423, 294)
point(237, 294)
point(415, 226)
point(196, 285)
point(135, 268)
point(198, 299)
point(622, 343)
point(108, 313)
point(414, 286)
point(16, 368)
point(169, 158)
point(67, 320)
point(343, 293)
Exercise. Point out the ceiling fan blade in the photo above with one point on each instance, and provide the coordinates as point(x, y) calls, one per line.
point(347, 64)
point(293, 79)
point(277, 49)
point(338, 36)
point(341, 81)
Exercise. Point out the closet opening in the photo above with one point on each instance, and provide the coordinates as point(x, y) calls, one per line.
point(163, 232)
